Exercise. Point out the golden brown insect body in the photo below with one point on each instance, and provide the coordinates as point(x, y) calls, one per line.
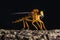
point(35, 15)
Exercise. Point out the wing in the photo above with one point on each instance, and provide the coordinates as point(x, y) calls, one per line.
point(21, 13)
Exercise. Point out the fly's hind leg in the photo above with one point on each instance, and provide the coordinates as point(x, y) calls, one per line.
point(27, 25)
point(23, 24)
point(17, 21)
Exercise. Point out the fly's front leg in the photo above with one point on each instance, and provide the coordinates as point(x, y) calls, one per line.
point(41, 27)
point(44, 26)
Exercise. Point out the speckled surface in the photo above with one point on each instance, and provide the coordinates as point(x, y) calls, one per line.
point(30, 34)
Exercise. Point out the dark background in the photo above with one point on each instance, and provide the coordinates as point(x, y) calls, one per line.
point(50, 8)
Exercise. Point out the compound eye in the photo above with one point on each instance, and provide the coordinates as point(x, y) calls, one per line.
point(42, 13)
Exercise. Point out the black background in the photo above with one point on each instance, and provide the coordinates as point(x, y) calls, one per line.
point(50, 8)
